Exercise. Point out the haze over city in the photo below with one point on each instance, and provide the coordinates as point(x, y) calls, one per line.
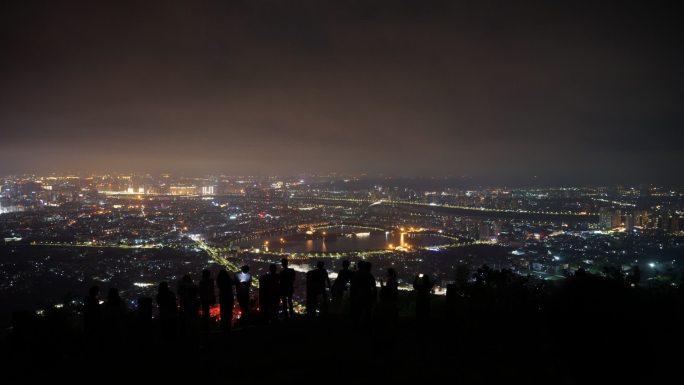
point(570, 92)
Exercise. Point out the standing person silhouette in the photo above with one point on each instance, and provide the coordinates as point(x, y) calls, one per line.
point(339, 287)
point(364, 293)
point(92, 313)
point(423, 287)
point(207, 296)
point(115, 314)
point(316, 296)
point(188, 294)
point(92, 318)
point(168, 311)
point(226, 300)
point(287, 278)
point(389, 294)
point(243, 285)
point(268, 294)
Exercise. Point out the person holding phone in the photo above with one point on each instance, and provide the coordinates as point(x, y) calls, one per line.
point(243, 285)
point(422, 284)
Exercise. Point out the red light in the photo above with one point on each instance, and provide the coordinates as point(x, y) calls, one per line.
point(215, 312)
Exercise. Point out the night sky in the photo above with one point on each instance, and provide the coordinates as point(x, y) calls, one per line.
point(568, 91)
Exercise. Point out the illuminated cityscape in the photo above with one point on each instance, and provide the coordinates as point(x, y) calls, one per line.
point(137, 230)
point(473, 192)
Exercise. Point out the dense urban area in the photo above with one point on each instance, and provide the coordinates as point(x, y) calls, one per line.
point(62, 234)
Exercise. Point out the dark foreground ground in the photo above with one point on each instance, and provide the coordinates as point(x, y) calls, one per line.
point(588, 330)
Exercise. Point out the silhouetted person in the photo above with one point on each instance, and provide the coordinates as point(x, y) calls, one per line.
point(243, 285)
point(391, 287)
point(115, 312)
point(286, 282)
point(188, 298)
point(456, 291)
point(340, 286)
point(635, 276)
point(92, 313)
point(168, 311)
point(226, 300)
point(422, 284)
point(363, 293)
point(207, 295)
point(389, 293)
point(580, 273)
point(145, 311)
point(268, 294)
point(316, 295)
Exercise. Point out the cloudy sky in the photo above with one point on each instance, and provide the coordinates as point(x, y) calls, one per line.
point(571, 91)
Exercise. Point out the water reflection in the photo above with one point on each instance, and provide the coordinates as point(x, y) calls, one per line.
point(349, 239)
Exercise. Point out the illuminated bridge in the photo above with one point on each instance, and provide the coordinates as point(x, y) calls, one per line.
point(477, 212)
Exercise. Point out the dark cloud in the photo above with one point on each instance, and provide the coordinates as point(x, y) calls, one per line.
point(583, 91)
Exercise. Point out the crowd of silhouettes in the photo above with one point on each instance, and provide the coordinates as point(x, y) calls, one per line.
point(187, 311)
point(484, 310)
point(355, 295)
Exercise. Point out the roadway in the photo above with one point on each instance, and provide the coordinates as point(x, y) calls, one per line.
point(479, 212)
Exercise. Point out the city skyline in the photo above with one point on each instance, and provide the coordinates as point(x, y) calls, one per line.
point(391, 191)
point(581, 93)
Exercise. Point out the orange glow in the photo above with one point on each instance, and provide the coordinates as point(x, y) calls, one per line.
point(215, 312)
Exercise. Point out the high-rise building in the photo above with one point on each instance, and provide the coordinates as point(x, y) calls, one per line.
point(616, 219)
point(183, 190)
point(484, 231)
point(640, 218)
point(208, 190)
point(497, 228)
point(628, 221)
point(609, 218)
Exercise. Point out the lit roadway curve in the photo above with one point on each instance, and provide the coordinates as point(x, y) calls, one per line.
point(216, 255)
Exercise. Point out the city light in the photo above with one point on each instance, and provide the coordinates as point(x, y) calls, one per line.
point(396, 191)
